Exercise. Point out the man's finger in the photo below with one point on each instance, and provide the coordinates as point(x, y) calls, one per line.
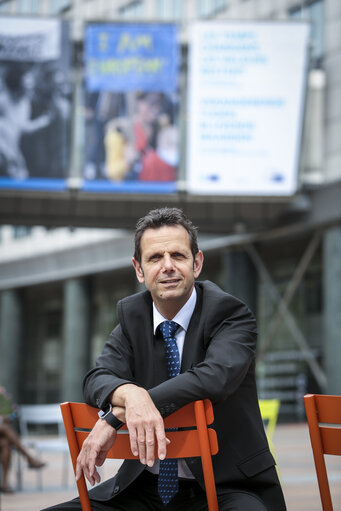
point(133, 442)
point(96, 477)
point(141, 442)
point(86, 463)
point(150, 446)
point(162, 442)
point(79, 471)
point(91, 474)
point(92, 470)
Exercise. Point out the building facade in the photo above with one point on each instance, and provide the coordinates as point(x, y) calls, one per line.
point(59, 287)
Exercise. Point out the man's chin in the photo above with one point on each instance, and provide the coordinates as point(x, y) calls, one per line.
point(168, 294)
point(173, 293)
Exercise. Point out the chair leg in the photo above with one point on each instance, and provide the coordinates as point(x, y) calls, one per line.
point(39, 475)
point(19, 472)
point(65, 468)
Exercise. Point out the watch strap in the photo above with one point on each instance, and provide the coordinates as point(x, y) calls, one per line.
point(113, 420)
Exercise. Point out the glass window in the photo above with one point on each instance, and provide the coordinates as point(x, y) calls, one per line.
point(131, 11)
point(4, 6)
point(313, 11)
point(169, 9)
point(28, 6)
point(209, 7)
point(57, 6)
point(21, 231)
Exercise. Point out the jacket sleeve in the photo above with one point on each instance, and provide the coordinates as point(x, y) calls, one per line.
point(229, 357)
point(114, 367)
point(229, 346)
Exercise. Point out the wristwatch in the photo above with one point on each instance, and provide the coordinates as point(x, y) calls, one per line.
point(107, 415)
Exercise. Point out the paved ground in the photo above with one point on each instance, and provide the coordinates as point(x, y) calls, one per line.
point(294, 459)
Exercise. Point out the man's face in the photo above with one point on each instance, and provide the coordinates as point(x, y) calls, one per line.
point(167, 267)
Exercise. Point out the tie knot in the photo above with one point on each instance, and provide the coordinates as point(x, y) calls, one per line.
point(168, 329)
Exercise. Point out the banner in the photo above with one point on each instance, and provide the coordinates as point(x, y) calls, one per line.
point(35, 103)
point(246, 103)
point(131, 107)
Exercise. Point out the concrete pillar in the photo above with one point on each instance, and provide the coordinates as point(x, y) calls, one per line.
point(332, 66)
point(11, 327)
point(76, 336)
point(239, 277)
point(331, 342)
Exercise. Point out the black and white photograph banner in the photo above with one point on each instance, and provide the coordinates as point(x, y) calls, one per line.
point(35, 103)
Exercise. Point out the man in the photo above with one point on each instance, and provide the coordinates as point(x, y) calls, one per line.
point(216, 342)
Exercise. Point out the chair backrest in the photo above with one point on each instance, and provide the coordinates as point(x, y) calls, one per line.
point(269, 409)
point(198, 441)
point(45, 414)
point(324, 421)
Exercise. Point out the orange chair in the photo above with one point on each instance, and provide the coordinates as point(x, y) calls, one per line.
point(198, 441)
point(322, 412)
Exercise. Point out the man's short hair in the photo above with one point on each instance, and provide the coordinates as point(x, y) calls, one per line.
point(161, 217)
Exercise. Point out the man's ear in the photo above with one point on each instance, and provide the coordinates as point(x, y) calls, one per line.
point(138, 271)
point(197, 264)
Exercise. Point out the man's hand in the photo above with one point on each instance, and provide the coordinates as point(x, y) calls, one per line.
point(94, 451)
point(144, 422)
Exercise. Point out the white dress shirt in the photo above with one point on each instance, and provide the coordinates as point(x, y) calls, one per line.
point(183, 318)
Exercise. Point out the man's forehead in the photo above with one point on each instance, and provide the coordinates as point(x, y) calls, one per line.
point(165, 236)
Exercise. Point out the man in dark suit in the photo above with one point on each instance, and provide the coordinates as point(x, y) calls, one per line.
point(216, 341)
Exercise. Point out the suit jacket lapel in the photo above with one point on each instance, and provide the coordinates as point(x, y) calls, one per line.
point(151, 367)
point(193, 350)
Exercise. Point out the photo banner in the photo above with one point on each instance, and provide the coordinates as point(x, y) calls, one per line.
point(35, 105)
point(131, 107)
point(247, 85)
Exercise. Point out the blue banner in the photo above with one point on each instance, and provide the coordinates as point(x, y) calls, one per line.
point(123, 57)
point(132, 107)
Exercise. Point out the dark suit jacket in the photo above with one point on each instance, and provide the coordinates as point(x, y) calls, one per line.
point(218, 363)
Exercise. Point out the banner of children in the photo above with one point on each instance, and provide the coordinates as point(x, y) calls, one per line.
point(132, 106)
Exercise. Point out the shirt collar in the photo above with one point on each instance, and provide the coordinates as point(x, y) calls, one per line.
point(184, 315)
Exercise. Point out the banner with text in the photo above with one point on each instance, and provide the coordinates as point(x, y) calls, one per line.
point(247, 86)
point(132, 104)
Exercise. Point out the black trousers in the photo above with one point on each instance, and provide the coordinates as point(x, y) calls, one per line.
point(142, 495)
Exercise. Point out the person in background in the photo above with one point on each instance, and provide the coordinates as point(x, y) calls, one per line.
point(9, 439)
point(16, 88)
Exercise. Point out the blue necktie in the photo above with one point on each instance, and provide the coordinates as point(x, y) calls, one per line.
point(168, 482)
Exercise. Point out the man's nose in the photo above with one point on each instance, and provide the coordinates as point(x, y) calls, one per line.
point(167, 263)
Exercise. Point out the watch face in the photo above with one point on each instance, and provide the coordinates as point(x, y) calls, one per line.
point(105, 411)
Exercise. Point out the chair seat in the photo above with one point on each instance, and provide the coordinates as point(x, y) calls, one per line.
point(49, 445)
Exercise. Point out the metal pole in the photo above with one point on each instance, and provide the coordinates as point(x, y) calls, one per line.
point(282, 310)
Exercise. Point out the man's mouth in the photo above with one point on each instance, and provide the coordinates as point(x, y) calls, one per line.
point(170, 281)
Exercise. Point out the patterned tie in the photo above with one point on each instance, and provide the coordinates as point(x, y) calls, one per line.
point(168, 482)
